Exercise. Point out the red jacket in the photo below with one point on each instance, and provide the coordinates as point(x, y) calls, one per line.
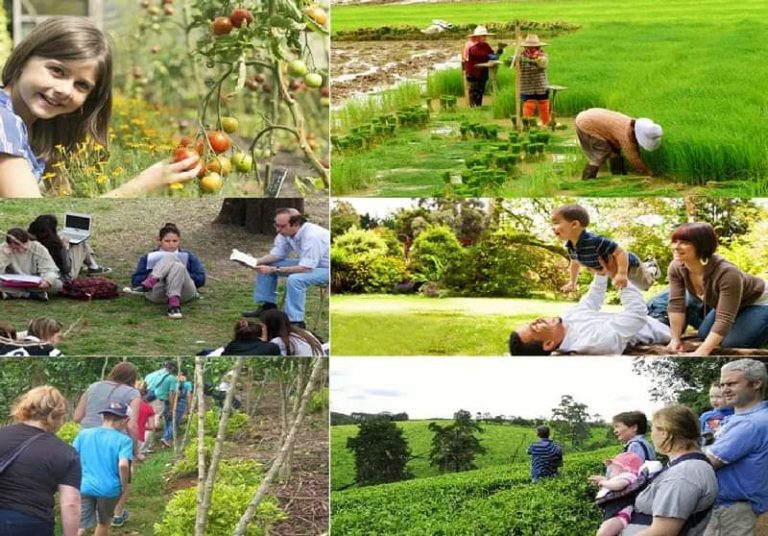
point(478, 53)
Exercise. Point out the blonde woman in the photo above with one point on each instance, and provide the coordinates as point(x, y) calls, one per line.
point(44, 466)
point(679, 499)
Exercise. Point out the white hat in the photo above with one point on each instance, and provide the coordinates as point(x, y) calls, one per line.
point(480, 30)
point(532, 40)
point(648, 134)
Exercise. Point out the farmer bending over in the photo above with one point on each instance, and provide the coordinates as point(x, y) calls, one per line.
point(604, 134)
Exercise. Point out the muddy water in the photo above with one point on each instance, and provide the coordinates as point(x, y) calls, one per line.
point(364, 66)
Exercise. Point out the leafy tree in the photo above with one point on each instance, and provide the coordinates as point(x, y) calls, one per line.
point(683, 381)
point(381, 452)
point(431, 252)
point(455, 446)
point(731, 217)
point(343, 218)
point(570, 421)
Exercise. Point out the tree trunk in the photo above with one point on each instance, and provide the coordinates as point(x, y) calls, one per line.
point(202, 514)
point(255, 214)
point(317, 373)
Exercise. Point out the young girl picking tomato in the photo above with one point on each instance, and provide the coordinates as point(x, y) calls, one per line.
point(169, 273)
point(57, 90)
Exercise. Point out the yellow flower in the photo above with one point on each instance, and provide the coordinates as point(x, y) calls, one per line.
point(101, 179)
point(118, 171)
point(177, 186)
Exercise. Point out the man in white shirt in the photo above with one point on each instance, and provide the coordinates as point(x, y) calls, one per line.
point(587, 330)
point(312, 244)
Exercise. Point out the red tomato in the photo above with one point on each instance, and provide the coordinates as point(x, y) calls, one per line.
point(221, 26)
point(240, 16)
point(186, 141)
point(182, 153)
point(219, 141)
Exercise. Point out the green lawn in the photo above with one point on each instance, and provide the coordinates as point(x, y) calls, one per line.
point(690, 66)
point(130, 325)
point(376, 324)
point(505, 443)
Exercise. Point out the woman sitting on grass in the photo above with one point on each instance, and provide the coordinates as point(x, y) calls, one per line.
point(249, 339)
point(292, 340)
point(70, 258)
point(169, 273)
point(21, 255)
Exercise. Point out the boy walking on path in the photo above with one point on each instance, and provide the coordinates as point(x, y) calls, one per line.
point(570, 223)
point(105, 456)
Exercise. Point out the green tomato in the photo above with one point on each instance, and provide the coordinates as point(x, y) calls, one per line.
point(297, 68)
point(229, 124)
point(243, 162)
point(313, 80)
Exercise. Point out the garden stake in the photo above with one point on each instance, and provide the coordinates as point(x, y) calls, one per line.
point(516, 65)
point(553, 93)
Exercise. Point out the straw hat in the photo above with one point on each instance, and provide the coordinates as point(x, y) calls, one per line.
point(648, 134)
point(532, 40)
point(480, 31)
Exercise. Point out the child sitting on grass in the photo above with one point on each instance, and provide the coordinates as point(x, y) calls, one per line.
point(569, 223)
point(250, 335)
point(39, 340)
point(105, 456)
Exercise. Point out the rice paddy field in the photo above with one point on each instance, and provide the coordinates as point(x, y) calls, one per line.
point(693, 67)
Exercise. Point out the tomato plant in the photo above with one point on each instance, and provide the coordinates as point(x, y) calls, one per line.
point(219, 141)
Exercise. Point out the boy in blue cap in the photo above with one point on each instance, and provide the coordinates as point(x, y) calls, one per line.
point(105, 456)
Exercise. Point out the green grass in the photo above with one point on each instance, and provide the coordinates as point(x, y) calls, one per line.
point(429, 326)
point(130, 325)
point(359, 111)
point(710, 107)
point(505, 444)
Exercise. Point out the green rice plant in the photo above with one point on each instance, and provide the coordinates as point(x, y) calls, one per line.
point(350, 175)
point(359, 111)
point(445, 82)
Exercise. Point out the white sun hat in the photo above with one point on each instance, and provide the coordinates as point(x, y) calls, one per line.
point(480, 31)
point(648, 134)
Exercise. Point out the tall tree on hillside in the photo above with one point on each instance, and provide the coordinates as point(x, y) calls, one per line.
point(570, 421)
point(381, 452)
point(455, 446)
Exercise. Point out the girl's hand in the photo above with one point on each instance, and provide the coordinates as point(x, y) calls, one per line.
point(595, 479)
point(165, 173)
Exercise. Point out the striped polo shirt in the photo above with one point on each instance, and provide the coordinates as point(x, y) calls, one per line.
point(546, 457)
point(590, 247)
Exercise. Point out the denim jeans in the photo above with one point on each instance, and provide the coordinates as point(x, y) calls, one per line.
point(13, 523)
point(749, 330)
point(694, 309)
point(296, 286)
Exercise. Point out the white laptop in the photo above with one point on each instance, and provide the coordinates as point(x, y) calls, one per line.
point(77, 227)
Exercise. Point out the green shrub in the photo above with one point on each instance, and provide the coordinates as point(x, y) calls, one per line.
point(319, 401)
point(432, 250)
point(236, 472)
point(361, 242)
point(228, 502)
point(237, 424)
point(188, 464)
point(362, 262)
point(68, 432)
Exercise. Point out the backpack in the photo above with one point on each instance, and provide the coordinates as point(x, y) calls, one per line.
point(151, 396)
point(90, 288)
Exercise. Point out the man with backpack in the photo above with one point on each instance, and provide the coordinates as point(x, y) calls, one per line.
point(740, 451)
point(162, 385)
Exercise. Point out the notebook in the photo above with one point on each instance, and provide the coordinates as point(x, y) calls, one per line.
point(154, 257)
point(77, 227)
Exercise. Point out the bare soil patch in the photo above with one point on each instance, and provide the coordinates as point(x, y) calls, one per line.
point(364, 66)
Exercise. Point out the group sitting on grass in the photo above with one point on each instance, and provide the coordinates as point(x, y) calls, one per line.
point(93, 475)
point(736, 303)
point(715, 482)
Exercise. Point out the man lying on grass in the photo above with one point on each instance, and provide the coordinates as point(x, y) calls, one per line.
point(585, 329)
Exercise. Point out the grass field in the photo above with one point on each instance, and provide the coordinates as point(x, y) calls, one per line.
point(506, 444)
point(130, 325)
point(690, 66)
point(376, 324)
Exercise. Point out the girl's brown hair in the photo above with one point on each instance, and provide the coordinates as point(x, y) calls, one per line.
point(124, 373)
point(681, 425)
point(247, 329)
point(44, 328)
point(44, 404)
point(62, 39)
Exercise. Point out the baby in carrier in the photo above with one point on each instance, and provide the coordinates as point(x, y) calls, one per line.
point(627, 475)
